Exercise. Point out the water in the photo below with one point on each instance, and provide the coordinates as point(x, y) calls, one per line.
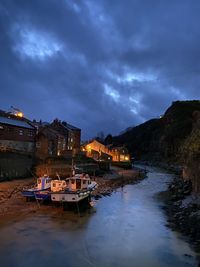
point(127, 229)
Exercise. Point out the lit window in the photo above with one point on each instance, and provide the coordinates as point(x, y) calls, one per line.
point(21, 132)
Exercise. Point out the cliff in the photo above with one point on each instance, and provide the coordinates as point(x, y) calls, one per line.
point(173, 138)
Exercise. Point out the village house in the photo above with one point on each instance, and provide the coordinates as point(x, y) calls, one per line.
point(71, 133)
point(49, 143)
point(58, 139)
point(99, 151)
point(16, 133)
point(120, 153)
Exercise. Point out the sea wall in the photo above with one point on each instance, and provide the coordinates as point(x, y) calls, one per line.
point(15, 165)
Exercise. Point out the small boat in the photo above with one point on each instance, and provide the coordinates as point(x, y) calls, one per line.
point(56, 186)
point(43, 184)
point(78, 188)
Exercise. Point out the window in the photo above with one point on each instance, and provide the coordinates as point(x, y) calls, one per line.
point(63, 145)
point(21, 132)
point(1, 127)
point(30, 133)
point(38, 144)
point(9, 129)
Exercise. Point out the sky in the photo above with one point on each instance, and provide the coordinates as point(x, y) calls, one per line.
point(101, 65)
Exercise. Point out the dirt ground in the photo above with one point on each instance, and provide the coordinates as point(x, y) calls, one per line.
point(13, 203)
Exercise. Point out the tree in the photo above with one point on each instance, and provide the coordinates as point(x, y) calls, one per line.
point(108, 140)
point(100, 136)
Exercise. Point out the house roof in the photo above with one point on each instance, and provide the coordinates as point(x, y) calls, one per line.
point(15, 122)
point(69, 126)
point(50, 133)
point(91, 141)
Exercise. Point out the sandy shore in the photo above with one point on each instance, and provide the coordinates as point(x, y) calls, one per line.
point(13, 203)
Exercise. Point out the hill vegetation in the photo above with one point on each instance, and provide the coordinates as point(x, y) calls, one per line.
point(173, 138)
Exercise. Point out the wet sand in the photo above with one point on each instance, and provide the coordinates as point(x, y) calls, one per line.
point(12, 203)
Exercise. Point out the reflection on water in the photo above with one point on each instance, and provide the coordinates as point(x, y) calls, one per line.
point(127, 229)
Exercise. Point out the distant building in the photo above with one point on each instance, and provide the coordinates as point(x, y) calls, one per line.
point(16, 133)
point(99, 151)
point(120, 153)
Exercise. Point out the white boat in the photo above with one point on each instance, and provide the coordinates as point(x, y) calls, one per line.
point(78, 188)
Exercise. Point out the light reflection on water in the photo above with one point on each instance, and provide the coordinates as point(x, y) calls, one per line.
point(127, 229)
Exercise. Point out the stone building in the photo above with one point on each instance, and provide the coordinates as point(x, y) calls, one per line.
point(58, 139)
point(16, 134)
point(72, 135)
point(49, 143)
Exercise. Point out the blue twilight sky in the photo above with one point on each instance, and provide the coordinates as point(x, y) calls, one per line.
point(101, 65)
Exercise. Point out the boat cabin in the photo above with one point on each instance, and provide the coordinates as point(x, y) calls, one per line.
point(78, 182)
point(43, 182)
point(58, 185)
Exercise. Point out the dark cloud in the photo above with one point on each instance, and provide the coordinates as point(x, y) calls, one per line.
point(101, 65)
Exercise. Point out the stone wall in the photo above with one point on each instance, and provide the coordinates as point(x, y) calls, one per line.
point(15, 165)
point(21, 146)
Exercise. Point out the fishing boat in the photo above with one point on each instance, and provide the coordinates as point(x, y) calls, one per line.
point(43, 184)
point(56, 186)
point(78, 188)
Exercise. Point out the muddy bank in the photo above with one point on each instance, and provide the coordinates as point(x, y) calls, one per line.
point(183, 210)
point(119, 178)
point(11, 200)
point(13, 203)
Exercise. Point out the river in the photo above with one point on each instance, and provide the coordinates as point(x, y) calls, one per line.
point(126, 229)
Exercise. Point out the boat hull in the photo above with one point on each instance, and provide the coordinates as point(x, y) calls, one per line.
point(69, 197)
point(43, 196)
point(28, 194)
point(31, 193)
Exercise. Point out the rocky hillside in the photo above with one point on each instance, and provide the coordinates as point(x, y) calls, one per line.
point(173, 138)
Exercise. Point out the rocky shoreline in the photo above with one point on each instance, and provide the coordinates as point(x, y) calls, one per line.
point(109, 183)
point(183, 210)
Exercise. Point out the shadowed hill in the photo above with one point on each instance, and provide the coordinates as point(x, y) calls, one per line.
point(162, 139)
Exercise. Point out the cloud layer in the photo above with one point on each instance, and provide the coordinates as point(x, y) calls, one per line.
point(100, 65)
